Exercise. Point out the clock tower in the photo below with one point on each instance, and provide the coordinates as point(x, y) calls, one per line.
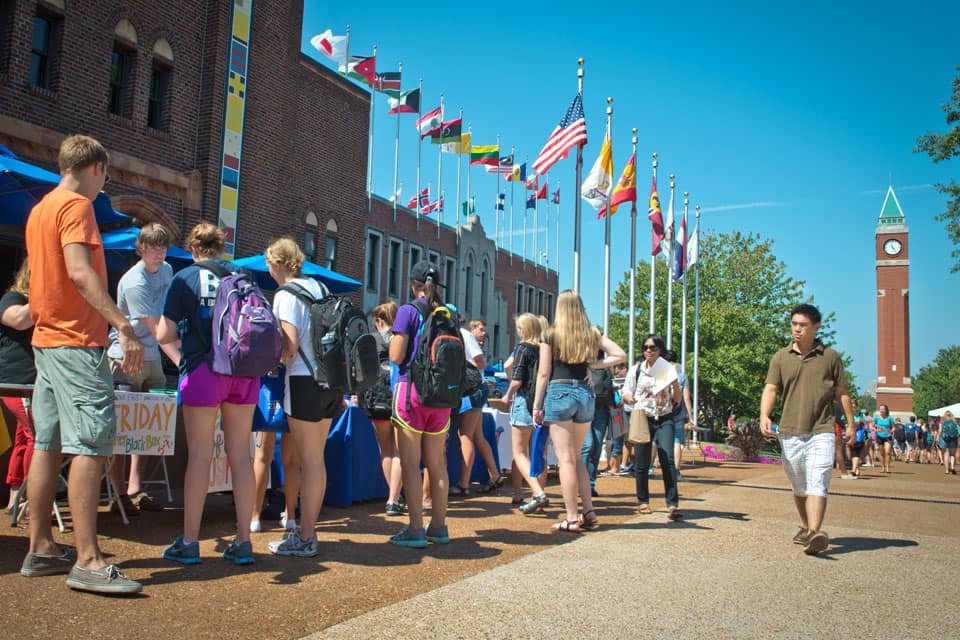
point(893, 309)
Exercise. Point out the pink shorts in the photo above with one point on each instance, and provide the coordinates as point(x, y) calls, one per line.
point(419, 419)
point(204, 388)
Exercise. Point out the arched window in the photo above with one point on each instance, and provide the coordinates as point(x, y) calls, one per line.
point(468, 285)
point(484, 276)
point(330, 246)
point(123, 63)
point(310, 235)
point(158, 107)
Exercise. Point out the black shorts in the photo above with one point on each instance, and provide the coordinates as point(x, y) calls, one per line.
point(857, 449)
point(311, 403)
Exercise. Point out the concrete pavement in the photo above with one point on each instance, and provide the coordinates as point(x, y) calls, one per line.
point(728, 570)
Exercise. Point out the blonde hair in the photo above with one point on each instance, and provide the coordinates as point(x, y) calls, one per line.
point(386, 312)
point(153, 235)
point(285, 253)
point(571, 337)
point(530, 329)
point(21, 280)
point(79, 152)
point(207, 240)
point(477, 323)
point(948, 415)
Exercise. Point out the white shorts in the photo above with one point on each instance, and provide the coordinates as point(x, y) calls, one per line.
point(808, 461)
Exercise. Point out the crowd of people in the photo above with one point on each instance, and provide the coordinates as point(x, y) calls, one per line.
point(563, 375)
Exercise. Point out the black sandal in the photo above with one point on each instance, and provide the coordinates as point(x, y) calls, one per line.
point(457, 490)
point(588, 524)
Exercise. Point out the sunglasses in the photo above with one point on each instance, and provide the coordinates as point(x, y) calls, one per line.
point(650, 347)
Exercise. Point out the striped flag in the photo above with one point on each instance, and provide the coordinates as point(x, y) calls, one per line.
point(387, 82)
point(361, 68)
point(484, 154)
point(450, 131)
point(462, 146)
point(571, 131)
point(655, 214)
point(430, 124)
point(406, 102)
point(556, 196)
point(626, 188)
point(693, 250)
point(680, 250)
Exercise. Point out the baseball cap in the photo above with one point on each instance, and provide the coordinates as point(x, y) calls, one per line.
point(425, 271)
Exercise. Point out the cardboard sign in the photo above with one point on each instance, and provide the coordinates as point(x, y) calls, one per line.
point(220, 476)
point(146, 423)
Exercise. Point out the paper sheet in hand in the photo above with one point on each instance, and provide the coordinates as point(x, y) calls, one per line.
point(663, 374)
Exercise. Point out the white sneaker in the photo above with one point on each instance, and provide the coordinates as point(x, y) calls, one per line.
point(293, 545)
point(255, 526)
point(289, 524)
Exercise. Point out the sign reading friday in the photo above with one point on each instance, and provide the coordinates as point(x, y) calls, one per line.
point(146, 423)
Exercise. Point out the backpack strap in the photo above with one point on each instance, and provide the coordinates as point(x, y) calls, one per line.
point(301, 294)
point(424, 312)
point(218, 269)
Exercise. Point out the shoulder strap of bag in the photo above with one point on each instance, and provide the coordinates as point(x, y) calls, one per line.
point(424, 312)
point(218, 269)
point(303, 296)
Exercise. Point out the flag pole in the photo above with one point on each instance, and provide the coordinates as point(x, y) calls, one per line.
point(556, 222)
point(576, 200)
point(419, 148)
point(546, 231)
point(683, 258)
point(396, 154)
point(606, 231)
point(440, 170)
point(469, 164)
point(459, 168)
point(633, 269)
point(536, 232)
point(653, 265)
point(668, 254)
point(496, 205)
point(696, 330)
point(525, 219)
point(373, 114)
point(512, 182)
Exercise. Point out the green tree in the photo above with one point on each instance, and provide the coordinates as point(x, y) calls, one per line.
point(946, 146)
point(745, 297)
point(938, 383)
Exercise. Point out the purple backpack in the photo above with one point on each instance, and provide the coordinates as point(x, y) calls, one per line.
point(246, 339)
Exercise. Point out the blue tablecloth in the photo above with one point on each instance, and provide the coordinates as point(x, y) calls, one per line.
point(455, 456)
point(352, 457)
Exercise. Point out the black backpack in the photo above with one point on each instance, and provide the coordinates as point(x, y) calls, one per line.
point(899, 434)
point(439, 365)
point(602, 381)
point(377, 401)
point(345, 351)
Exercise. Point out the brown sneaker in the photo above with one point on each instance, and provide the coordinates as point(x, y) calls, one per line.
point(801, 537)
point(816, 543)
point(145, 502)
point(128, 507)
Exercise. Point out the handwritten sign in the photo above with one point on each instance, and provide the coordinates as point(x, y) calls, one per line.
point(146, 423)
point(220, 476)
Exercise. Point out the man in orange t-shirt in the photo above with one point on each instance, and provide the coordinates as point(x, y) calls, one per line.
point(73, 394)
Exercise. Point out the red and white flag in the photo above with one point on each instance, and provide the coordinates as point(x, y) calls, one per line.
point(424, 199)
point(430, 124)
point(571, 131)
point(334, 47)
point(437, 205)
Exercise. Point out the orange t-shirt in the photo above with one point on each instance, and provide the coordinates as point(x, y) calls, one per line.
point(62, 317)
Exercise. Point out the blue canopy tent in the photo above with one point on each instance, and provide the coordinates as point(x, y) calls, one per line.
point(119, 244)
point(22, 185)
point(335, 282)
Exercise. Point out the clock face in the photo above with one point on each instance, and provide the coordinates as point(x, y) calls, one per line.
point(892, 247)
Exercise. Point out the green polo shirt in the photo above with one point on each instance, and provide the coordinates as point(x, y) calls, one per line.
point(808, 385)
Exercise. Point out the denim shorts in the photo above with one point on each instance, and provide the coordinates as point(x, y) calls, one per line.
point(574, 402)
point(519, 413)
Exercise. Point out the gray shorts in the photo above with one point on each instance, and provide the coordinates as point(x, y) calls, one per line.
point(150, 377)
point(73, 408)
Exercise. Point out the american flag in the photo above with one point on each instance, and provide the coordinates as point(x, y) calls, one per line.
point(556, 196)
point(504, 166)
point(571, 131)
point(424, 199)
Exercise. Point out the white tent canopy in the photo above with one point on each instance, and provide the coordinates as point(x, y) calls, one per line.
point(952, 408)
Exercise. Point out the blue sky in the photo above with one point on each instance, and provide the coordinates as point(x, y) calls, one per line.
point(789, 122)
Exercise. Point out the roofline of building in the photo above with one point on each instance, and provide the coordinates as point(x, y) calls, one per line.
point(328, 73)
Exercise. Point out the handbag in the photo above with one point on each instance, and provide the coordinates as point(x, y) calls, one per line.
point(617, 426)
point(538, 450)
point(639, 427)
point(268, 415)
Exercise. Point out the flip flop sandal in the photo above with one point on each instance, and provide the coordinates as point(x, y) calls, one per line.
point(645, 510)
point(567, 526)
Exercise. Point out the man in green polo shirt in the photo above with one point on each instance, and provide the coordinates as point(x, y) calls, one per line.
point(810, 378)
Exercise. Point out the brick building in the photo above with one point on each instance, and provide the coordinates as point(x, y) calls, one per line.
point(211, 112)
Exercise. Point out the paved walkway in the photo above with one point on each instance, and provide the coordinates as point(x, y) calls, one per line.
point(728, 570)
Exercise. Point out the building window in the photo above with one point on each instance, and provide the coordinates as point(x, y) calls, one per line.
point(468, 286)
point(394, 268)
point(310, 235)
point(540, 303)
point(548, 312)
point(119, 93)
point(519, 298)
point(330, 245)
point(374, 241)
point(496, 340)
point(483, 287)
point(416, 254)
point(42, 51)
point(159, 97)
point(434, 258)
point(530, 306)
point(450, 278)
